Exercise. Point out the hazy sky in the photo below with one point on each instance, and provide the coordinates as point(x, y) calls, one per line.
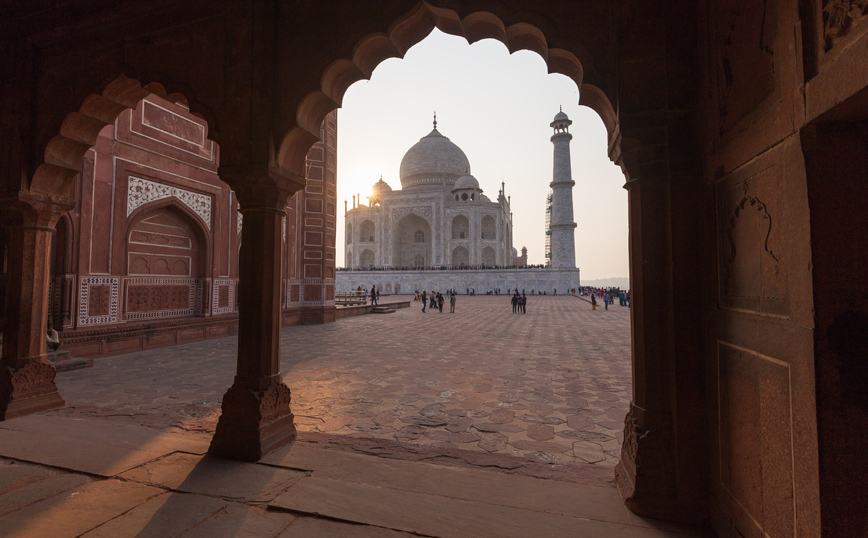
point(497, 108)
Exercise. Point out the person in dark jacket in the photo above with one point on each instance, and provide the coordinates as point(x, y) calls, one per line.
point(424, 300)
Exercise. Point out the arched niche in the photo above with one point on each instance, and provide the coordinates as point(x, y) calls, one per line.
point(366, 232)
point(460, 227)
point(349, 234)
point(164, 239)
point(488, 256)
point(412, 242)
point(460, 256)
point(488, 228)
point(367, 258)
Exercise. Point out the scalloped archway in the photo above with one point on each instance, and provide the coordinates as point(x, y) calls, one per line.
point(409, 30)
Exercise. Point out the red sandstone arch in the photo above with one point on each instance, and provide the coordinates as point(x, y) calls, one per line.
point(64, 153)
point(410, 29)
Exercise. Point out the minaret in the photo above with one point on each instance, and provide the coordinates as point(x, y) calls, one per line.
point(562, 227)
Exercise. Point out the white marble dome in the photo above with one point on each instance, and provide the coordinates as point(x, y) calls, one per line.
point(466, 182)
point(433, 160)
point(381, 187)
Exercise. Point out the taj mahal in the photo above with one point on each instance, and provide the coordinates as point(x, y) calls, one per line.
point(441, 231)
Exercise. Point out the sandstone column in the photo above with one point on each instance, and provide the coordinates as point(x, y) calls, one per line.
point(256, 415)
point(26, 377)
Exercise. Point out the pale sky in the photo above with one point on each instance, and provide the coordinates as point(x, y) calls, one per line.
point(497, 108)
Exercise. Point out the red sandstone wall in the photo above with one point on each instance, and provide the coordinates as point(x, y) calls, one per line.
point(155, 158)
point(772, 67)
point(311, 221)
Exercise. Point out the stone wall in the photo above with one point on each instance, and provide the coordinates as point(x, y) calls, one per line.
point(482, 280)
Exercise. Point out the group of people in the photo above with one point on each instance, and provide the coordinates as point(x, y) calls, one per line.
point(519, 303)
point(608, 296)
point(444, 268)
point(436, 300)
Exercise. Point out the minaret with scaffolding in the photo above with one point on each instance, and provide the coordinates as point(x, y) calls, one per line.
point(549, 229)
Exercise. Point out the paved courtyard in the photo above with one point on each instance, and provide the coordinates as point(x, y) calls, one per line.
point(552, 385)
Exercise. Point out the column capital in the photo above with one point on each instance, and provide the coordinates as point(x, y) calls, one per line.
point(262, 185)
point(34, 210)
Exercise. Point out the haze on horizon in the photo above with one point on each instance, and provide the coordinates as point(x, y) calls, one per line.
point(497, 108)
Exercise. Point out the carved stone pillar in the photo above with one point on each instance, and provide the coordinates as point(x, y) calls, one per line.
point(26, 378)
point(646, 474)
point(256, 415)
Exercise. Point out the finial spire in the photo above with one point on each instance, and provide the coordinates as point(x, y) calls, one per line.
point(435, 119)
point(561, 107)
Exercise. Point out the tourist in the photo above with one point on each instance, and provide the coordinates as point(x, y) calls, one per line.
point(515, 300)
point(424, 300)
point(452, 302)
point(556, 291)
point(440, 302)
point(433, 299)
point(606, 299)
point(374, 295)
point(524, 304)
point(593, 301)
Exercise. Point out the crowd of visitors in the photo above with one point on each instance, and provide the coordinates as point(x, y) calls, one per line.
point(445, 268)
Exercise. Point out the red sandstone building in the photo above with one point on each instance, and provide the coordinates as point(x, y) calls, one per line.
point(740, 127)
point(148, 256)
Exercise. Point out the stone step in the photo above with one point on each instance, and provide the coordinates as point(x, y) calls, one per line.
point(62, 361)
point(382, 310)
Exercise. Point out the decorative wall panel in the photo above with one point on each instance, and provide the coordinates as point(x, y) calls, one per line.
point(142, 191)
point(752, 273)
point(223, 296)
point(756, 440)
point(153, 298)
point(98, 300)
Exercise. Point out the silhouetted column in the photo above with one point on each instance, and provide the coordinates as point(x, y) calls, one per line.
point(647, 472)
point(256, 415)
point(26, 377)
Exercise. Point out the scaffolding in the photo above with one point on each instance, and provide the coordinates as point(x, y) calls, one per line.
point(549, 229)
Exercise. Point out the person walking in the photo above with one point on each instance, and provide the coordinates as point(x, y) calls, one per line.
point(606, 300)
point(452, 302)
point(433, 300)
point(524, 304)
point(440, 302)
point(515, 302)
point(593, 301)
point(374, 295)
point(424, 300)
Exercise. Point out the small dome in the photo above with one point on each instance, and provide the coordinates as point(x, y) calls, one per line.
point(466, 182)
point(380, 187)
point(560, 116)
point(484, 198)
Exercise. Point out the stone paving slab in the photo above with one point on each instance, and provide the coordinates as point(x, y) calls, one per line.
point(188, 495)
point(208, 475)
point(602, 503)
point(73, 512)
point(552, 385)
point(445, 517)
point(91, 457)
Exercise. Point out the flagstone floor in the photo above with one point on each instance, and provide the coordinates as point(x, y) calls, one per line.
point(551, 385)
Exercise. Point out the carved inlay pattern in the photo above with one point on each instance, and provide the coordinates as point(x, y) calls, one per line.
point(105, 289)
point(240, 221)
point(400, 212)
point(142, 191)
point(33, 376)
point(153, 298)
point(223, 296)
point(839, 17)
